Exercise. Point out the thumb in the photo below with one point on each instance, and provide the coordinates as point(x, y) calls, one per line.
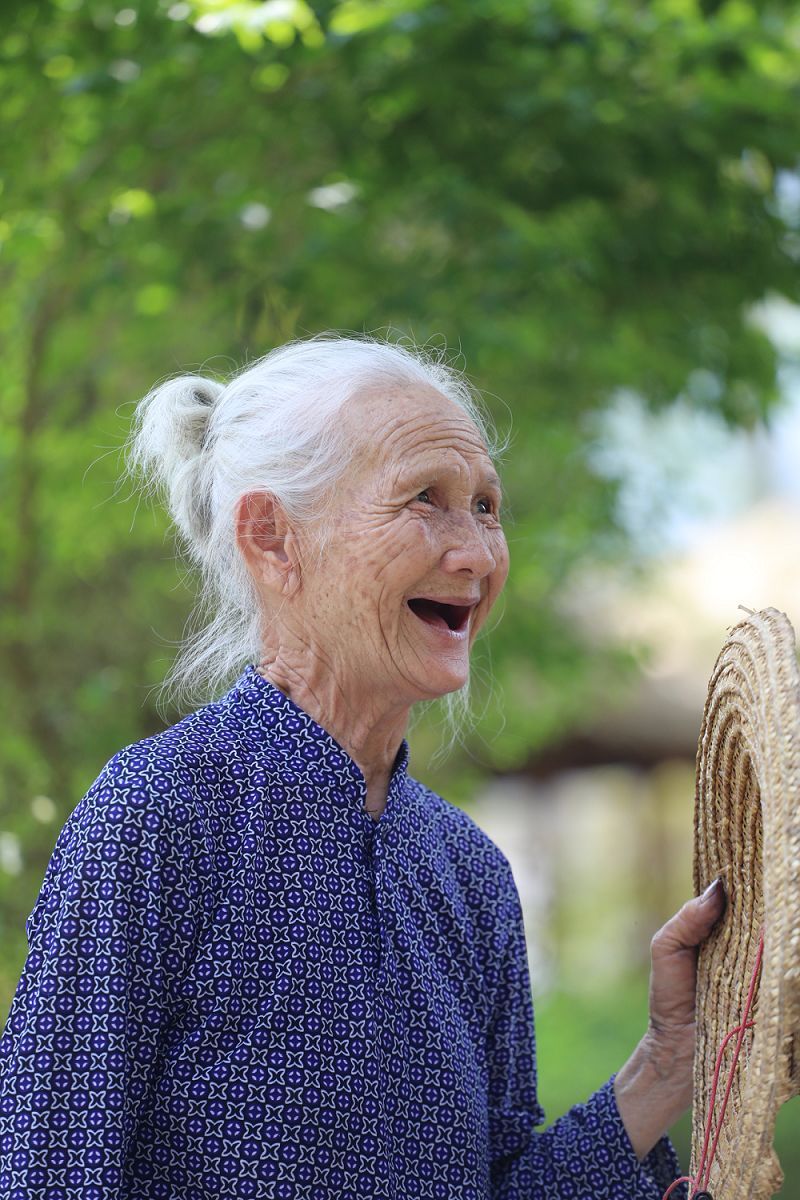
point(695, 920)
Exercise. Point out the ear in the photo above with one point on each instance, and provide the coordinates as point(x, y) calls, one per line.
point(267, 542)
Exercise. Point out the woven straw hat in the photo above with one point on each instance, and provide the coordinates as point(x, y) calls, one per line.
point(747, 829)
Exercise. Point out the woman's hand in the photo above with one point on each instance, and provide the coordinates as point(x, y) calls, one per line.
point(654, 1087)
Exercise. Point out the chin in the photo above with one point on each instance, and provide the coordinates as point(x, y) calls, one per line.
point(442, 683)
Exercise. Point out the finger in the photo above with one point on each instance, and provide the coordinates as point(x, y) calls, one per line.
point(693, 922)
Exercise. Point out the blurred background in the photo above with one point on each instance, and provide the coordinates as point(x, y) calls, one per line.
point(596, 207)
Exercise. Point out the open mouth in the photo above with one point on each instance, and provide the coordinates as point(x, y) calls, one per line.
point(454, 617)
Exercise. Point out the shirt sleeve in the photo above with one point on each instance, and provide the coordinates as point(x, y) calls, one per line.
point(585, 1154)
point(109, 939)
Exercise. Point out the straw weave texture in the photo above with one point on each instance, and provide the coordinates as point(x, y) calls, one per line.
point(747, 829)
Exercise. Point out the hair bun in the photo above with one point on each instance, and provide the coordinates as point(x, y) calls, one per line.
point(192, 409)
point(170, 431)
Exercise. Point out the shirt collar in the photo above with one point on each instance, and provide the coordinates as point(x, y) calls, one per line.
point(306, 751)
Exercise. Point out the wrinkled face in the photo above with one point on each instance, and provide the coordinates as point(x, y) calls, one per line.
point(416, 556)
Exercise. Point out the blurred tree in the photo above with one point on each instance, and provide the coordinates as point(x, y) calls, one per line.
point(578, 195)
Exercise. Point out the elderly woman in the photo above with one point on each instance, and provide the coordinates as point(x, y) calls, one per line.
point(265, 961)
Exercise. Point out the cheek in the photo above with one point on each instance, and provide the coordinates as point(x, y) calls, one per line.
point(386, 559)
point(504, 561)
point(496, 582)
point(414, 546)
point(400, 550)
point(499, 548)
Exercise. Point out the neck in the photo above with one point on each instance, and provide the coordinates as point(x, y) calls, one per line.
point(370, 732)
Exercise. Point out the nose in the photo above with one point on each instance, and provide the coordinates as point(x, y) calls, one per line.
point(467, 549)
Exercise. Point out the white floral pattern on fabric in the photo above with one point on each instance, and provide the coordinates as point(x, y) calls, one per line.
point(239, 985)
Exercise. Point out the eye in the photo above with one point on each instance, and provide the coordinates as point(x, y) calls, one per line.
point(486, 506)
point(424, 496)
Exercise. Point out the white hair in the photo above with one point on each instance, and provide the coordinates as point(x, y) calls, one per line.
point(272, 426)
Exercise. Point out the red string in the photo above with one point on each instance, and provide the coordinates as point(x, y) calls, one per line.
point(700, 1181)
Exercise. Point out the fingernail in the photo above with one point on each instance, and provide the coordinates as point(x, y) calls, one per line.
point(713, 890)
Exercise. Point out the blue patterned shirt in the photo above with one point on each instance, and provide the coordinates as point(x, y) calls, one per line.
point(241, 985)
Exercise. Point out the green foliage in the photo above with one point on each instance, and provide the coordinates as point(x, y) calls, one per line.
point(576, 195)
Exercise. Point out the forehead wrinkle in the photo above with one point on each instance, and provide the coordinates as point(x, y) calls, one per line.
point(430, 446)
point(425, 410)
point(387, 440)
point(411, 431)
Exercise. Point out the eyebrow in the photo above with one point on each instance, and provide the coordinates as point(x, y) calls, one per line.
point(410, 478)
